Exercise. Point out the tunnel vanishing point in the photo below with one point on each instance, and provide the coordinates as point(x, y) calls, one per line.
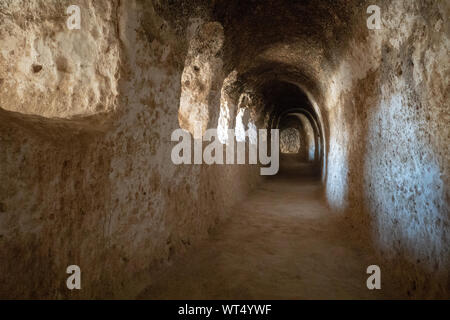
point(89, 99)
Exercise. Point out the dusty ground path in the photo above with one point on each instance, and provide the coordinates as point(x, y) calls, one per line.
point(281, 243)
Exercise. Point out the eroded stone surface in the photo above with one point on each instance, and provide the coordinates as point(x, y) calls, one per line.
point(86, 117)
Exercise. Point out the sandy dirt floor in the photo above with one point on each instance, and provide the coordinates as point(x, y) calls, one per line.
point(281, 243)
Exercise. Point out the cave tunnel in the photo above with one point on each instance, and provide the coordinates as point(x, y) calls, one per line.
point(224, 149)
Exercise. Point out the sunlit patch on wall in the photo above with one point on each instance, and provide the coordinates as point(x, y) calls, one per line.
point(290, 141)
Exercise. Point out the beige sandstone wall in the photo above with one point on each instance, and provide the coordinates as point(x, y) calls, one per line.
point(89, 185)
point(388, 159)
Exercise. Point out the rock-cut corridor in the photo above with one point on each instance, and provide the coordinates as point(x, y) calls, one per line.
point(282, 242)
point(225, 149)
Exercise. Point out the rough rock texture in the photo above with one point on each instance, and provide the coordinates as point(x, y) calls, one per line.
point(290, 140)
point(380, 100)
point(98, 191)
point(47, 69)
point(389, 138)
point(86, 118)
point(201, 79)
